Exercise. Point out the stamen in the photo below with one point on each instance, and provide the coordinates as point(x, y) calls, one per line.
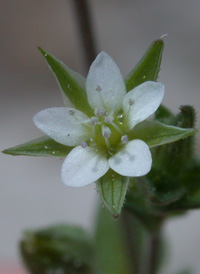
point(84, 144)
point(131, 101)
point(102, 100)
point(100, 112)
point(71, 112)
point(109, 119)
point(98, 88)
point(117, 128)
point(107, 144)
point(94, 120)
point(106, 132)
point(124, 139)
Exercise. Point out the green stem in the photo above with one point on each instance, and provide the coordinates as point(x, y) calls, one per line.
point(84, 20)
point(144, 246)
point(132, 240)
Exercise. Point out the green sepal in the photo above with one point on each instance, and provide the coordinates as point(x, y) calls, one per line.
point(69, 83)
point(112, 188)
point(43, 146)
point(148, 67)
point(112, 256)
point(61, 248)
point(155, 133)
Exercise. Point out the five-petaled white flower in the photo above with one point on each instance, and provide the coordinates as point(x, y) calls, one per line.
point(102, 141)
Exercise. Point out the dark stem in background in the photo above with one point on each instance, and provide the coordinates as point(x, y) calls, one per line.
point(144, 246)
point(154, 254)
point(84, 20)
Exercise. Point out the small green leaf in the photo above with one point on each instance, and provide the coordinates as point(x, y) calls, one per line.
point(57, 249)
point(43, 146)
point(190, 179)
point(70, 82)
point(148, 67)
point(186, 117)
point(111, 251)
point(112, 188)
point(165, 116)
point(155, 133)
point(137, 202)
point(175, 157)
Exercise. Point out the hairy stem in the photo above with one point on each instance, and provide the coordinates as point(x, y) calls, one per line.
point(84, 20)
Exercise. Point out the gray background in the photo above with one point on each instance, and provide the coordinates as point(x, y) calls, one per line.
point(31, 192)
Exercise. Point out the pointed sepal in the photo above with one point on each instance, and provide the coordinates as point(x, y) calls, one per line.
point(71, 83)
point(43, 146)
point(148, 67)
point(155, 133)
point(112, 188)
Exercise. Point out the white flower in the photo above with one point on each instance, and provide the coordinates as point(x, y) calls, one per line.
point(101, 141)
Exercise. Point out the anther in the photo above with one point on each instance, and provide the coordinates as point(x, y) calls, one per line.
point(100, 112)
point(124, 139)
point(106, 132)
point(94, 120)
point(109, 119)
point(84, 144)
point(71, 112)
point(131, 101)
point(98, 88)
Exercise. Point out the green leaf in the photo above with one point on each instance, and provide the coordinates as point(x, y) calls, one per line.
point(164, 115)
point(186, 117)
point(137, 202)
point(43, 146)
point(190, 179)
point(70, 82)
point(111, 252)
point(57, 249)
point(155, 133)
point(148, 67)
point(112, 188)
point(174, 158)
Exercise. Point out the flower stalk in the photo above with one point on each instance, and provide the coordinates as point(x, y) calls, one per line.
point(84, 22)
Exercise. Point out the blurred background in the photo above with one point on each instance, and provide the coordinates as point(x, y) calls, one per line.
point(31, 192)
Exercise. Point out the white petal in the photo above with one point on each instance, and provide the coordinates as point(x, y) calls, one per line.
point(133, 160)
point(145, 100)
point(105, 86)
point(83, 166)
point(63, 125)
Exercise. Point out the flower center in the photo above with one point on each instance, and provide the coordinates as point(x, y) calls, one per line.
point(107, 131)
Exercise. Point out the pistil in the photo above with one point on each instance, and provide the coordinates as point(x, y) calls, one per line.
point(106, 133)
